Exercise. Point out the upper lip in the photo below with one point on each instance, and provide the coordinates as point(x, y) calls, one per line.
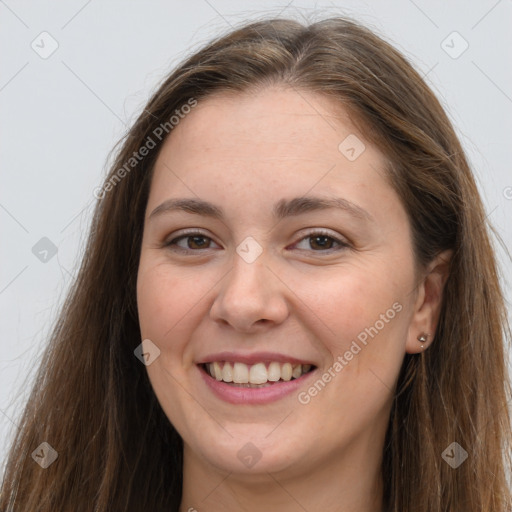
point(252, 358)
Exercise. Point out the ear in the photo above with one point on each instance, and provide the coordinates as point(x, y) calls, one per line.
point(427, 307)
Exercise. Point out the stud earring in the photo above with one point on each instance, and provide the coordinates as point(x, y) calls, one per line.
point(422, 338)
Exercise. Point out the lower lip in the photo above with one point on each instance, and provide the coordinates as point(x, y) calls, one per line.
point(238, 395)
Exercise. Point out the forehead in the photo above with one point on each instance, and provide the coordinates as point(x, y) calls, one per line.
point(273, 122)
point(267, 126)
point(269, 143)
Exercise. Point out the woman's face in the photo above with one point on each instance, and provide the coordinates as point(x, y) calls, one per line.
point(253, 270)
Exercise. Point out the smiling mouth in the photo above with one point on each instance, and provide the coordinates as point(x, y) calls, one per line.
point(258, 375)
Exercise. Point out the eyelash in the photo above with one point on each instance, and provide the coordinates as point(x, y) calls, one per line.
point(319, 232)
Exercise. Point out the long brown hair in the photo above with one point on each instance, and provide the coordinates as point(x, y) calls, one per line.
point(92, 401)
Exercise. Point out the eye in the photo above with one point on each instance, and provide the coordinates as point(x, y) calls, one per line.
point(192, 242)
point(322, 241)
point(319, 241)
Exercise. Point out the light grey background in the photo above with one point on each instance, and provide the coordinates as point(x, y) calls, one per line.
point(61, 115)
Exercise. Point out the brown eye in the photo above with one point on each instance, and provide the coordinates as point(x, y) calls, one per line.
point(320, 241)
point(197, 242)
point(190, 242)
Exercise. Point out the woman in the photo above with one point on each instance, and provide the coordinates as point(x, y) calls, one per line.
point(288, 301)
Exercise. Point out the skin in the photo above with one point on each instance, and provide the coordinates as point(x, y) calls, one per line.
point(244, 153)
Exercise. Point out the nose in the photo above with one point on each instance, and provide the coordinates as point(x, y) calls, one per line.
point(251, 297)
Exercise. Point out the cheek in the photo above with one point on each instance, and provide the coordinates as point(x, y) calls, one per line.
point(364, 320)
point(171, 304)
point(350, 299)
point(155, 305)
point(363, 350)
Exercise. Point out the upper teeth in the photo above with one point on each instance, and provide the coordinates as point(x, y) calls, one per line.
point(241, 373)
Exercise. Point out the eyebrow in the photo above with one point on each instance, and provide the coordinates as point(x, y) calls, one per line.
point(282, 209)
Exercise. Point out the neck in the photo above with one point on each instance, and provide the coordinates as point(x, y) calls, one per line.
point(346, 482)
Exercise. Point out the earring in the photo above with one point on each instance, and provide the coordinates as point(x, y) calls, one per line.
point(422, 338)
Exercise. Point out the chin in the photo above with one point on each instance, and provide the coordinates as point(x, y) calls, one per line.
point(250, 451)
